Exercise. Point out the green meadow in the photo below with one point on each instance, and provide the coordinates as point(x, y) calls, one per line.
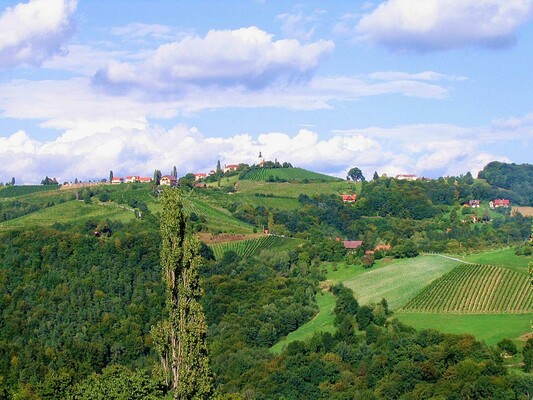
point(322, 322)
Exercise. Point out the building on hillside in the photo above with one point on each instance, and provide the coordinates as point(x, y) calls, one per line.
point(474, 203)
point(199, 176)
point(383, 247)
point(212, 172)
point(117, 180)
point(349, 198)
point(200, 185)
point(352, 244)
point(260, 160)
point(132, 179)
point(406, 177)
point(230, 167)
point(496, 203)
point(168, 180)
point(144, 179)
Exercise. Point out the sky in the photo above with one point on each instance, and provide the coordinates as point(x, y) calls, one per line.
point(427, 87)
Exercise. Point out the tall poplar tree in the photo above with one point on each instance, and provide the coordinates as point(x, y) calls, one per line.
point(181, 339)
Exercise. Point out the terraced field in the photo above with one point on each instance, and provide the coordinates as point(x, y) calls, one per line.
point(250, 247)
point(475, 289)
point(14, 191)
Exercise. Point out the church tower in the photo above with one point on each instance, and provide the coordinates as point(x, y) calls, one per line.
point(260, 160)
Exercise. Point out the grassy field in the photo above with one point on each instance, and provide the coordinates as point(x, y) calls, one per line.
point(293, 190)
point(281, 203)
point(22, 190)
point(501, 257)
point(400, 281)
point(323, 322)
point(70, 212)
point(490, 328)
point(475, 289)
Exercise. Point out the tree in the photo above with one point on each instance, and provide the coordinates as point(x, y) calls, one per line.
point(110, 176)
point(355, 174)
point(157, 177)
point(181, 339)
point(13, 181)
point(527, 353)
point(376, 176)
point(175, 172)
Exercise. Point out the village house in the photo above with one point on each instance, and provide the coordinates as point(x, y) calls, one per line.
point(168, 180)
point(474, 203)
point(499, 203)
point(230, 167)
point(200, 175)
point(349, 198)
point(352, 244)
point(117, 180)
point(132, 179)
point(406, 177)
point(144, 179)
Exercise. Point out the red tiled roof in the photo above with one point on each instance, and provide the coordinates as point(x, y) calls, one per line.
point(352, 244)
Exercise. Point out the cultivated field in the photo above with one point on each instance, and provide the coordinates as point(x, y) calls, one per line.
point(475, 289)
point(288, 174)
point(250, 247)
point(400, 281)
point(525, 211)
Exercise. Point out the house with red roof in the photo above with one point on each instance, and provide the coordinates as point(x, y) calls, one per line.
point(349, 198)
point(496, 203)
point(132, 179)
point(230, 167)
point(168, 180)
point(144, 179)
point(117, 180)
point(352, 244)
point(200, 175)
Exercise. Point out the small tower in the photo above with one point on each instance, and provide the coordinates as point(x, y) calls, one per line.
point(260, 160)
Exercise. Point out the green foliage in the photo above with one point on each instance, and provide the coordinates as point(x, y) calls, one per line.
point(476, 289)
point(181, 340)
point(515, 178)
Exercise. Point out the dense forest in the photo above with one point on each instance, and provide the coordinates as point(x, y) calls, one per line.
point(77, 307)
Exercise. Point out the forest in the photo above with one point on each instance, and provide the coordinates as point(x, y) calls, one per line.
point(77, 308)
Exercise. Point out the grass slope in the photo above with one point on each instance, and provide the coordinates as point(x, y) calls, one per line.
point(400, 281)
point(15, 191)
point(475, 289)
point(501, 257)
point(490, 328)
point(322, 322)
point(293, 190)
point(69, 212)
point(288, 174)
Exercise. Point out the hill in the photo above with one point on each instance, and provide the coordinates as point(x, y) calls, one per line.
point(285, 175)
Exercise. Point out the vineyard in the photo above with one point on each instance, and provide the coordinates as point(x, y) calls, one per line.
point(475, 289)
point(285, 174)
point(217, 219)
point(250, 247)
point(22, 190)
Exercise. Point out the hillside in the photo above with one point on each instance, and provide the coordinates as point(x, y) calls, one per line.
point(80, 270)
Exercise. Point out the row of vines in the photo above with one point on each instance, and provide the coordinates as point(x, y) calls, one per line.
point(288, 174)
point(475, 289)
point(250, 247)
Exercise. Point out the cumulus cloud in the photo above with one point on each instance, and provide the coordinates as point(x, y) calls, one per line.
point(429, 25)
point(141, 149)
point(32, 32)
point(248, 58)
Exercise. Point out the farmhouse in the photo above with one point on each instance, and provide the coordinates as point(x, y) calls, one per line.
point(352, 244)
point(349, 198)
point(117, 180)
point(144, 179)
point(406, 177)
point(199, 176)
point(230, 167)
point(168, 180)
point(132, 179)
point(474, 203)
point(499, 203)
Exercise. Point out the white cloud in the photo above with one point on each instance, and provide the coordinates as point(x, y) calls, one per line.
point(297, 25)
point(32, 32)
point(428, 25)
point(140, 150)
point(246, 58)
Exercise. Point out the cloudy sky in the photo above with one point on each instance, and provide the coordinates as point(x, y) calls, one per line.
point(431, 87)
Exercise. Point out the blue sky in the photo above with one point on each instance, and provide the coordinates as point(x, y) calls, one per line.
point(431, 87)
